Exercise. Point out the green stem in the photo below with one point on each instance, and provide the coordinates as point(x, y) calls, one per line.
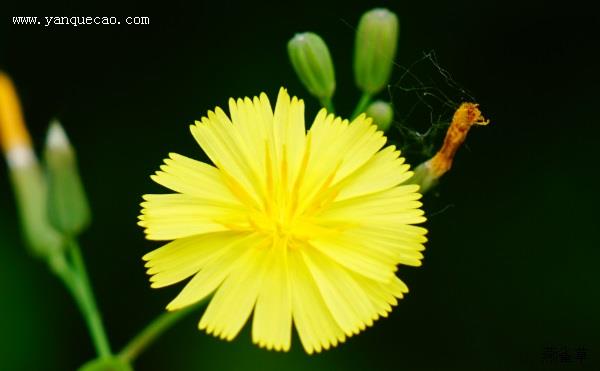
point(328, 104)
point(61, 268)
point(151, 332)
point(87, 303)
point(362, 105)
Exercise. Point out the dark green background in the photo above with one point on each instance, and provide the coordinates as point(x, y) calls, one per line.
point(511, 267)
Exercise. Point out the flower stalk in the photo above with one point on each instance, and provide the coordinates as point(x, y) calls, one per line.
point(362, 104)
point(84, 296)
point(153, 331)
point(36, 205)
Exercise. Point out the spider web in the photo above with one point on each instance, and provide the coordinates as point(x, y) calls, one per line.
point(424, 99)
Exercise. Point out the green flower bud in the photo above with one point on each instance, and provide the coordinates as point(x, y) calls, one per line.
point(312, 62)
point(31, 195)
point(67, 204)
point(382, 114)
point(25, 174)
point(106, 364)
point(375, 49)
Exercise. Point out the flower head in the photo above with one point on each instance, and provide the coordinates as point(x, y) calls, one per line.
point(302, 227)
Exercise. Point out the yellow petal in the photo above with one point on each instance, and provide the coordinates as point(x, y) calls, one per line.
point(402, 243)
point(214, 272)
point(185, 175)
point(232, 303)
point(314, 322)
point(222, 143)
point(172, 216)
point(184, 257)
point(383, 296)
point(386, 204)
point(383, 171)
point(348, 303)
point(356, 256)
point(289, 133)
point(272, 324)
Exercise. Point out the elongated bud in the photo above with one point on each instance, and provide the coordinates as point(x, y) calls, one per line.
point(382, 114)
point(312, 62)
point(25, 174)
point(428, 173)
point(375, 49)
point(68, 207)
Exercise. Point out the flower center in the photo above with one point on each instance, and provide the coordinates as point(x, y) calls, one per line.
point(276, 222)
point(280, 212)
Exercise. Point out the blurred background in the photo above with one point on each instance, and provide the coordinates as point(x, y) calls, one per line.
point(510, 275)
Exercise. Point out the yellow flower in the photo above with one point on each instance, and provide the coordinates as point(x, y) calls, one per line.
point(301, 227)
